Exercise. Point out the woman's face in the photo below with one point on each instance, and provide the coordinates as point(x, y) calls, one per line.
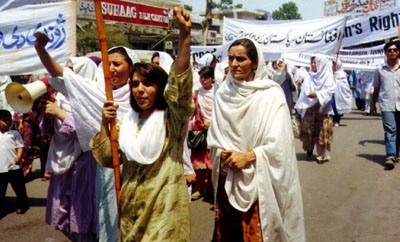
point(144, 92)
point(119, 69)
point(240, 65)
point(314, 65)
point(206, 82)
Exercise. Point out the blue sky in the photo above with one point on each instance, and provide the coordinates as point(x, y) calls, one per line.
point(308, 9)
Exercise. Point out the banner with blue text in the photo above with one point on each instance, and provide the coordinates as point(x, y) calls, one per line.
point(17, 36)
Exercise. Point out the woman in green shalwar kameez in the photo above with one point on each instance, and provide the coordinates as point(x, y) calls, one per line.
point(154, 201)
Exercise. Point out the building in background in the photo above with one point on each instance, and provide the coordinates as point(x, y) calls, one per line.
point(352, 7)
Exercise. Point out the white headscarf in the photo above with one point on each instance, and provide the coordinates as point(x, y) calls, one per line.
point(320, 82)
point(343, 93)
point(165, 61)
point(220, 72)
point(205, 60)
point(253, 116)
point(64, 150)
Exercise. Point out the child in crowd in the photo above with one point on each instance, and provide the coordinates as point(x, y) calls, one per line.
point(11, 147)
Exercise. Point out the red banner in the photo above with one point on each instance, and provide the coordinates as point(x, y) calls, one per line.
point(126, 12)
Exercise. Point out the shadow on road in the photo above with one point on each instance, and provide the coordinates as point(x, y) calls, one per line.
point(372, 141)
point(379, 159)
point(10, 204)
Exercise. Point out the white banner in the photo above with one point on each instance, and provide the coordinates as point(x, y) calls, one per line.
point(196, 52)
point(358, 59)
point(9, 4)
point(369, 28)
point(297, 36)
point(18, 27)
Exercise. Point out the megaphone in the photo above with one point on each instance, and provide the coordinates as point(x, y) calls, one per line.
point(21, 97)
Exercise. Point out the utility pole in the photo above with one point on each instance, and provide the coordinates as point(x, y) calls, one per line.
point(207, 21)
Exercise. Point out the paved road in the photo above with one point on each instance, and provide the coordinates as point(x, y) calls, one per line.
point(351, 198)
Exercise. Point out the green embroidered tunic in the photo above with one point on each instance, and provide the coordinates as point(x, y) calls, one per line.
point(154, 199)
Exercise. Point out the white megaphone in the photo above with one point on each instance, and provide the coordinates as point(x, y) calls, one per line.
point(21, 97)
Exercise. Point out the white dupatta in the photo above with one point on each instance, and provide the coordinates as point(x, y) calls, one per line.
point(254, 116)
point(343, 93)
point(144, 145)
point(320, 82)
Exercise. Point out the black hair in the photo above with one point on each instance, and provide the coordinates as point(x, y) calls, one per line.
point(155, 54)
point(390, 43)
point(122, 51)
point(154, 73)
point(4, 113)
point(250, 47)
point(207, 72)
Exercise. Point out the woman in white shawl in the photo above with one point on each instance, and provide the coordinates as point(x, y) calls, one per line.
point(86, 99)
point(255, 175)
point(285, 80)
point(71, 201)
point(314, 106)
point(341, 101)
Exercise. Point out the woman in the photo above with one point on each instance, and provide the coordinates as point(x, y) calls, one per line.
point(285, 80)
point(154, 201)
point(71, 202)
point(341, 101)
point(255, 176)
point(202, 117)
point(86, 98)
point(314, 106)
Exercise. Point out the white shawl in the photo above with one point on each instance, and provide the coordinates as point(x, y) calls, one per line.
point(206, 102)
point(87, 98)
point(320, 82)
point(144, 145)
point(343, 93)
point(165, 61)
point(254, 116)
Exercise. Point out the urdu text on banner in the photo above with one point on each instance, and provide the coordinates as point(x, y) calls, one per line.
point(295, 36)
point(18, 27)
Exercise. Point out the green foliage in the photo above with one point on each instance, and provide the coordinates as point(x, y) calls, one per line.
point(287, 11)
point(87, 39)
point(226, 4)
point(187, 7)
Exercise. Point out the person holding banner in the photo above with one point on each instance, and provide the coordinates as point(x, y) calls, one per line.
point(387, 88)
point(154, 201)
point(314, 106)
point(86, 98)
point(255, 174)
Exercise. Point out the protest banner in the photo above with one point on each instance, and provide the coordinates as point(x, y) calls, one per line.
point(373, 27)
point(196, 52)
point(357, 59)
point(289, 36)
point(17, 36)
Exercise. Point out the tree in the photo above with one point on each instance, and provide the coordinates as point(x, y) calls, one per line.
point(187, 7)
point(226, 4)
point(287, 11)
point(87, 38)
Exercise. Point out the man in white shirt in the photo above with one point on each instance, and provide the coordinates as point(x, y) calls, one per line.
point(387, 86)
